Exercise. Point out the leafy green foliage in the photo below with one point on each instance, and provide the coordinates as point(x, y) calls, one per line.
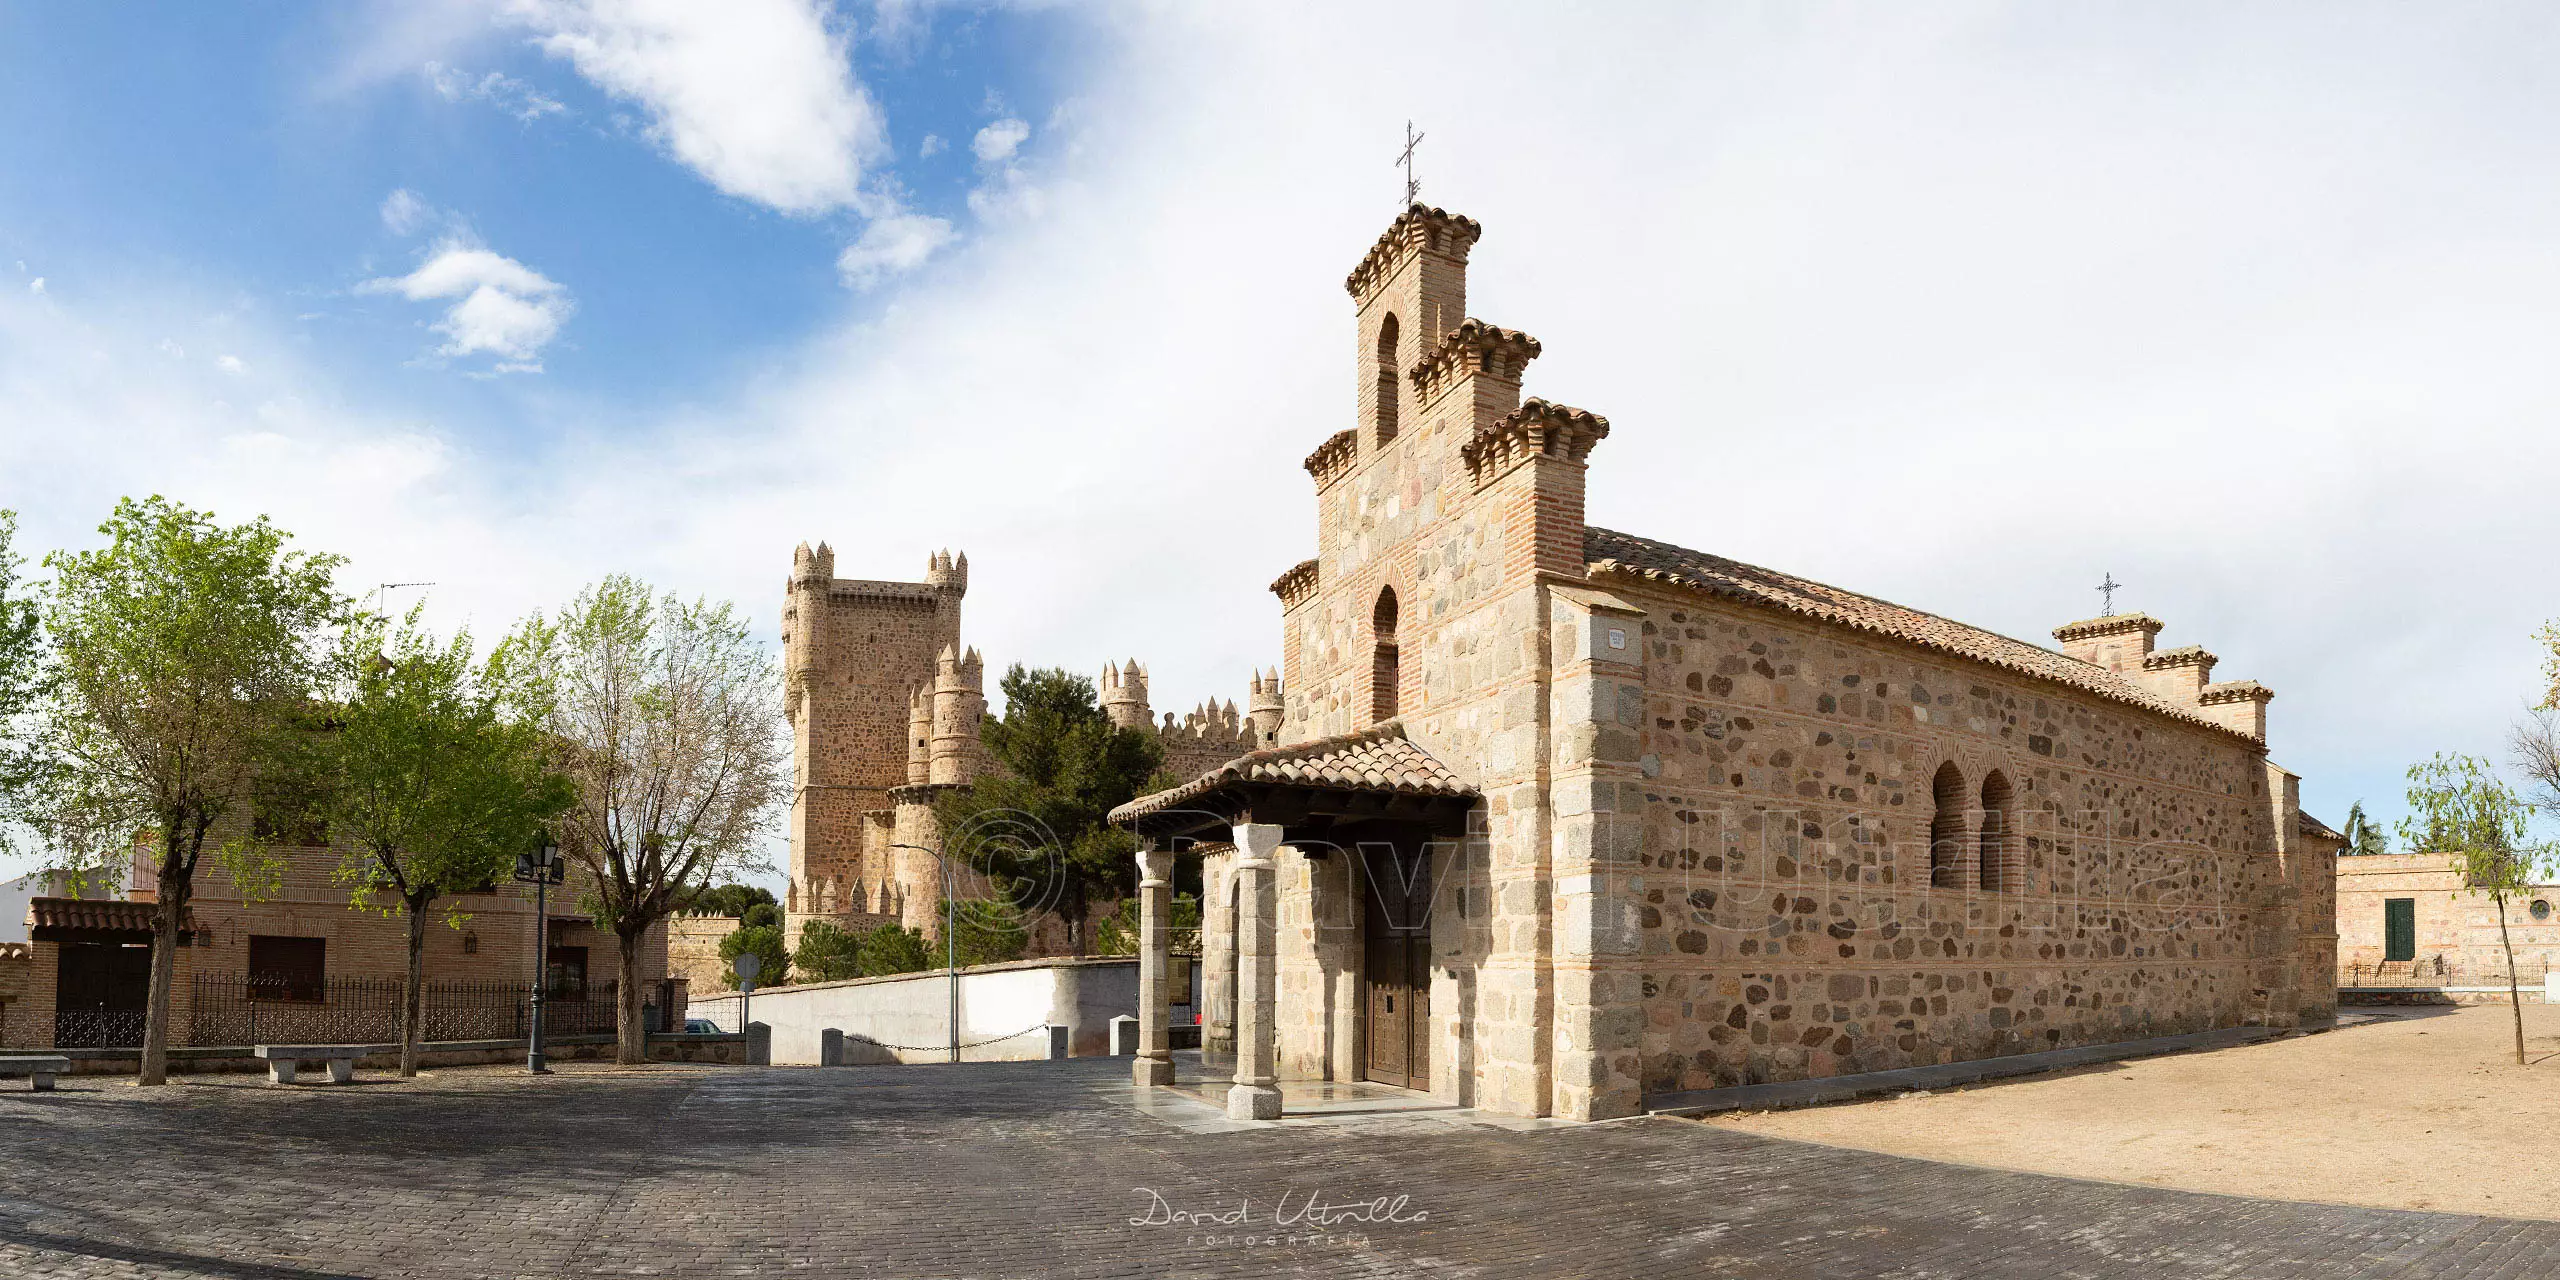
point(24, 679)
point(987, 932)
point(661, 712)
point(1117, 934)
point(2364, 835)
point(826, 953)
point(433, 786)
point(892, 948)
point(186, 655)
point(2459, 807)
point(729, 900)
point(763, 915)
point(765, 940)
point(1038, 828)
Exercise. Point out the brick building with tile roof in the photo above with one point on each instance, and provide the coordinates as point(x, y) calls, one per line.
point(1563, 821)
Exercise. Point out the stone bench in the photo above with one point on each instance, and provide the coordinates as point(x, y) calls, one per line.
point(40, 1068)
point(284, 1061)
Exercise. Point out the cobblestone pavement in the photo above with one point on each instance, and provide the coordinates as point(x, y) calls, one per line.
point(1037, 1169)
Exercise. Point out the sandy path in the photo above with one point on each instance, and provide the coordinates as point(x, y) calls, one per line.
point(2425, 1109)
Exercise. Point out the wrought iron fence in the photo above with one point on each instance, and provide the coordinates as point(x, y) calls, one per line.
point(97, 1028)
point(232, 1009)
point(2439, 971)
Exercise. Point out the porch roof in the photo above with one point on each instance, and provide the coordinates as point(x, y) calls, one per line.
point(1374, 773)
point(97, 920)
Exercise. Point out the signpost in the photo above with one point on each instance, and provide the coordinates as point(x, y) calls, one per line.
point(542, 868)
point(747, 966)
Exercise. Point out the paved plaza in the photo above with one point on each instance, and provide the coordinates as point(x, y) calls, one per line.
point(1046, 1169)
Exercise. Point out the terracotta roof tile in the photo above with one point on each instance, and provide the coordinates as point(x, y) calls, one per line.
point(1379, 758)
point(94, 913)
point(2315, 828)
point(1609, 551)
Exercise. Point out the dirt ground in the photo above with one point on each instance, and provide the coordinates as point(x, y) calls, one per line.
point(2418, 1109)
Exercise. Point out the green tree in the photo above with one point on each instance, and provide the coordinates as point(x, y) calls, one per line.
point(765, 941)
point(663, 715)
point(187, 655)
point(1117, 933)
point(24, 682)
point(761, 915)
point(894, 948)
point(2460, 808)
point(827, 953)
point(729, 900)
point(2364, 835)
point(436, 787)
point(989, 931)
point(1038, 827)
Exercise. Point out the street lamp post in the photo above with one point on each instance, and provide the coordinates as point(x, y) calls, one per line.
point(950, 942)
point(544, 868)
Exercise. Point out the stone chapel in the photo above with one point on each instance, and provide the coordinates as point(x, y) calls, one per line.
point(1563, 821)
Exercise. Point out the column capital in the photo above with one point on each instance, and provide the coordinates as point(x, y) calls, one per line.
point(1256, 843)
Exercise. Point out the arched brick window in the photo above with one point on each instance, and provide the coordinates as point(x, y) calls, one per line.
point(1946, 829)
point(1386, 673)
point(1387, 336)
point(2001, 869)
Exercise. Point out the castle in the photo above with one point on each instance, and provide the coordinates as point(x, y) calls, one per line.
point(1562, 821)
point(884, 702)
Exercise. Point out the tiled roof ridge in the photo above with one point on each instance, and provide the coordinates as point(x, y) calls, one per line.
point(2185, 655)
point(1609, 551)
point(1473, 346)
point(1264, 764)
point(1332, 459)
point(1537, 428)
point(2113, 624)
point(1419, 224)
point(1297, 584)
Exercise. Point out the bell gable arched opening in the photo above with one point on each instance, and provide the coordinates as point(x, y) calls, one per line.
point(1388, 335)
point(1386, 671)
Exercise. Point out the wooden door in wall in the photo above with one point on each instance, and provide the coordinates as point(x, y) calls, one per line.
point(1396, 967)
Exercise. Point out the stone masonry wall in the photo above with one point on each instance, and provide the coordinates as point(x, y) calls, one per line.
point(2457, 928)
point(1790, 926)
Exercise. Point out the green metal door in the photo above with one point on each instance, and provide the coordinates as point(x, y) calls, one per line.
point(2399, 929)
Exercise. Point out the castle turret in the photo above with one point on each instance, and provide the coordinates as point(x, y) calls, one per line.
point(1124, 695)
point(1266, 708)
point(959, 700)
point(920, 737)
point(946, 573)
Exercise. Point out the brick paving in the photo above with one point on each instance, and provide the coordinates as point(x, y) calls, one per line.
point(1035, 1170)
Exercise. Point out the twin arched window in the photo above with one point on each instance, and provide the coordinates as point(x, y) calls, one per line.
point(1994, 857)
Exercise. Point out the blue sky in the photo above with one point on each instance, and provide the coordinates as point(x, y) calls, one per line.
point(1960, 305)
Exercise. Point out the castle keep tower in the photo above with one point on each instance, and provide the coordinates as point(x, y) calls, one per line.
point(855, 652)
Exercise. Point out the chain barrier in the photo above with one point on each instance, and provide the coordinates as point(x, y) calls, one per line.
point(965, 1044)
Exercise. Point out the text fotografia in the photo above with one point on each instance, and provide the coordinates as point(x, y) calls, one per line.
point(1317, 1210)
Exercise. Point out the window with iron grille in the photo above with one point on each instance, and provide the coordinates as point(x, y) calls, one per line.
point(287, 968)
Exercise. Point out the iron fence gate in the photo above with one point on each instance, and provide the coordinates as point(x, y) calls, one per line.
point(246, 1009)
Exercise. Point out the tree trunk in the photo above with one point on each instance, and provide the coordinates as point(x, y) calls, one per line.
point(413, 996)
point(169, 911)
point(631, 1039)
point(1076, 908)
point(2515, 997)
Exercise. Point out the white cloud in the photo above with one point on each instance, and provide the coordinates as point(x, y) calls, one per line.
point(502, 307)
point(230, 364)
point(755, 95)
point(931, 146)
point(36, 285)
point(404, 212)
point(997, 142)
point(892, 245)
point(498, 89)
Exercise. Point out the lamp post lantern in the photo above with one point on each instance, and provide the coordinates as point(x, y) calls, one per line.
point(950, 943)
point(543, 868)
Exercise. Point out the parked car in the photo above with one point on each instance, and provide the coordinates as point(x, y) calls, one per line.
point(701, 1027)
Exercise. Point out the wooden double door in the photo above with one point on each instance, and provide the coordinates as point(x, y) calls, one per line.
point(1395, 966)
